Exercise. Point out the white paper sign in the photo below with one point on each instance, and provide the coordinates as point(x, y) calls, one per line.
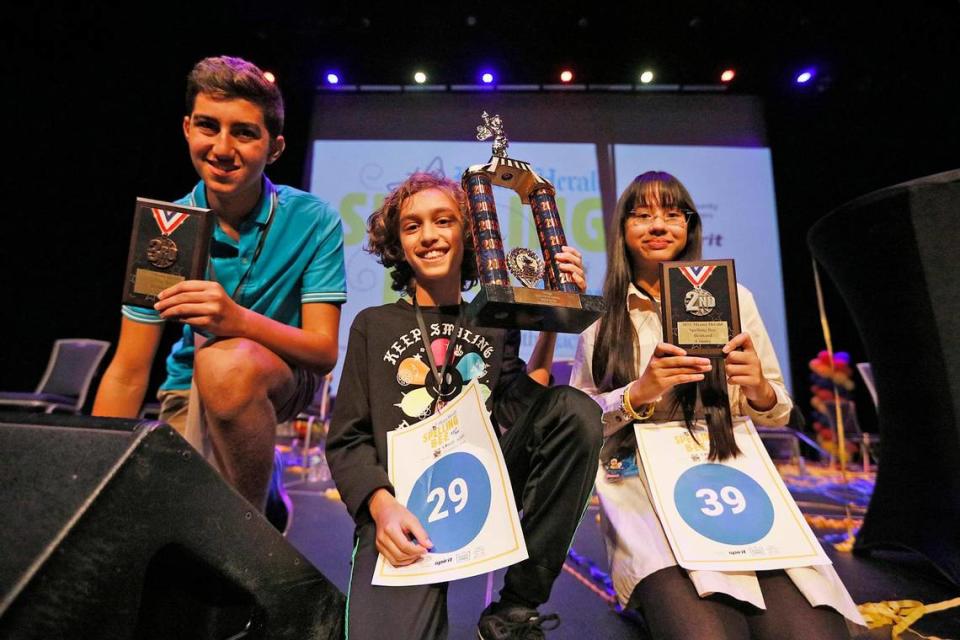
point(731, 516)
point(448, 470)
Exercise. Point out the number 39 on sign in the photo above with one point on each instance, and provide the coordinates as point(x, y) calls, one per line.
point(723, 504)
point(730, 495)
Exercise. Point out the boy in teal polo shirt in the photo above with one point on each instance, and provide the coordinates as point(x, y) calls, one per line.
point(269, 310)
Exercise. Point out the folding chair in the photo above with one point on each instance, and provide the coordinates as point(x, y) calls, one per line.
point(866, 372)
point(319, 410)
point(64, 386)
point(869, 442)
point(150, 411)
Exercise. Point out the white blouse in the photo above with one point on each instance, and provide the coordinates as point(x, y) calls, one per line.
point(636, 543)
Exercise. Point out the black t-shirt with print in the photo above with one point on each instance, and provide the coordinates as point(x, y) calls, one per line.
point(387, 384)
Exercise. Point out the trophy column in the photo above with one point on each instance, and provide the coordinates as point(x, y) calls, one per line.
point(550, 231)
point(488, 244)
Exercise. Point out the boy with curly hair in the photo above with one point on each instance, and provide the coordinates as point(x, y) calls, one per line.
point(551, 435)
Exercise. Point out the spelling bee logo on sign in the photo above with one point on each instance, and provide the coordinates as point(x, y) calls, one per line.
point(448, 470)
point(731, 516)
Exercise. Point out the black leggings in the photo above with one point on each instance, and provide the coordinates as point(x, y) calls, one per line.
point(673, 610)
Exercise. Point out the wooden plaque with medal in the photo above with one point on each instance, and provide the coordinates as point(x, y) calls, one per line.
point(699, 307)
point(169, 243)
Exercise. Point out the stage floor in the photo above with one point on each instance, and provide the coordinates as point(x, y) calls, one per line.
point(322, 531)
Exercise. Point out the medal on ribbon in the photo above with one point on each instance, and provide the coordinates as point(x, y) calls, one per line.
point(698, 301)
point(162, 250)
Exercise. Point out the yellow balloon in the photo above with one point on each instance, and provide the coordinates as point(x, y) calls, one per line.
point(416, 403)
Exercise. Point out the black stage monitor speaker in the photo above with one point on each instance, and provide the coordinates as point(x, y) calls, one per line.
point(894, 256)
point(118, 529)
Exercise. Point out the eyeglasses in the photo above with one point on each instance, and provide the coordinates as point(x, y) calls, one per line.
point(644, 216)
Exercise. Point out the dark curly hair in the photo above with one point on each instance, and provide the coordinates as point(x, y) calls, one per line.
point(383, 231)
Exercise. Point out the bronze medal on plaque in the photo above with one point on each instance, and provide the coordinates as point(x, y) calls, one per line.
point(699, 320)
point(156, 262)
point(162, 252)
point(559, 306)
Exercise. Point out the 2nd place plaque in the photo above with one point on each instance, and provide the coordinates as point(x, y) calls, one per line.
point(700, 312)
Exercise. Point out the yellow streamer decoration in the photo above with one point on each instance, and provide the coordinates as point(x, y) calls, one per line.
point(847, 544)
point(901, 614)
point(833, 524)
point(825, 326)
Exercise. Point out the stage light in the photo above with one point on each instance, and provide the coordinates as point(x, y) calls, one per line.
point(486, 77)
point(805, 76)
point(272, 79)
point(728, 75)
point(566, 75)
point(333, 78)
point(419, 77)
point(646, 77)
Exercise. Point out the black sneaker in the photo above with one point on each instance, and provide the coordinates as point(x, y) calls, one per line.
point(279, 509)
point(499, 622)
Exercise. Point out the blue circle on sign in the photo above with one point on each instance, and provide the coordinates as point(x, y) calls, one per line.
point(451, 499)
point(723, 504)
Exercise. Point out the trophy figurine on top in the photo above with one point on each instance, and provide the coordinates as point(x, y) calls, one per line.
point(559, 306)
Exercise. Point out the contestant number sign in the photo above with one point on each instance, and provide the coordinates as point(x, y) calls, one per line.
point(449, 472)
point(731, 516)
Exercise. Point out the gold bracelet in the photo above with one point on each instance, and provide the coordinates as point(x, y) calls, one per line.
point(646, 409)
point(625, 407)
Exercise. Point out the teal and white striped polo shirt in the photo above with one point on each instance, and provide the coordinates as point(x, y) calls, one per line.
point(301, 262)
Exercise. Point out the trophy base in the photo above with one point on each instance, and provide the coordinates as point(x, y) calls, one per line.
point(534, 309)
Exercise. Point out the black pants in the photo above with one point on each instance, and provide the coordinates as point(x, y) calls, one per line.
point(551, 454)
point(672, 610)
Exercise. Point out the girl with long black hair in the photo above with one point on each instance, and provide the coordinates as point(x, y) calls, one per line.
point(623, 364)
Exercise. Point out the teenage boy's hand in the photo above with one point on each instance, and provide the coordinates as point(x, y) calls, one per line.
point(669, 366)
point(570, 261)
point(394, 524)
point(744, 369)
point(540, 361)
point(202, 304)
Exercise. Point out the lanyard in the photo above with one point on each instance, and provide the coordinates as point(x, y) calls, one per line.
point(256, 252)
point(439, 376)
